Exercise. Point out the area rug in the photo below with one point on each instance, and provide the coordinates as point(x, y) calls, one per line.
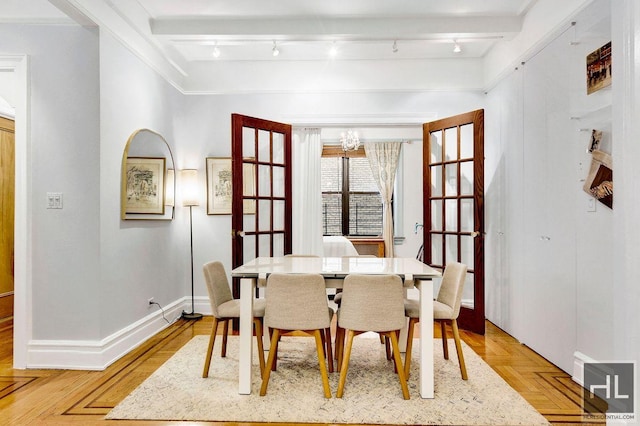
point(177, 391)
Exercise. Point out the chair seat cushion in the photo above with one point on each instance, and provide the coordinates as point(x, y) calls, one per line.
point(440, 310)
point(231, 309)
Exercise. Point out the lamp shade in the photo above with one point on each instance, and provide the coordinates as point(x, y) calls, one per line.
point(169, 188)
point(189, 185)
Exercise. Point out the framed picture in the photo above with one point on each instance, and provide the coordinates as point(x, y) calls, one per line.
point(596, 138)
point(599, 182)
point(599, 69)
point(145, 185)
point(220, 186)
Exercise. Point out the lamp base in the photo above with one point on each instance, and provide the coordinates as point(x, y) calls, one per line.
point(191, 316)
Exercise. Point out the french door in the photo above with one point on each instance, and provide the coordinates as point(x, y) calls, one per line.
point(261, 211)
point(453, 186)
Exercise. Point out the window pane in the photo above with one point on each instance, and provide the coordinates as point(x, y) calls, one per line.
point(451, 184)
point(278, 181)
point(436, 249)
point(264, 211)
point(436, 181)
point(332, 214)
point(451, 215)
point(436, 147)
point(248, 142)
point(451, 249)
point(451, 144)
point(278, 148)
point(466, 215)
point(360, 176)
point(466, 178)
point(278, 245)
point(466, 141)
point(264, 146)
point(365, 214)
point(264, 181)
point(436, 215)
point(331, 174)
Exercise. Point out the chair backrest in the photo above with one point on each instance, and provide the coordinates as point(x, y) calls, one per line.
point(296, 302)
point(217, 285)
point(372, 303)
point(450, 292)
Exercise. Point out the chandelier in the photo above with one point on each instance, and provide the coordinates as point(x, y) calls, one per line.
point(350, 141)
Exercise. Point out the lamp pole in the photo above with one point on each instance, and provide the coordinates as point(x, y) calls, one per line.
point(193, 315)
point(190, 198)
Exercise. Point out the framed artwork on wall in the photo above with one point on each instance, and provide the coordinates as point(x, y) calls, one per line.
point(599, 69)
point(145, 189)
point(599, 182)
point(220, 186)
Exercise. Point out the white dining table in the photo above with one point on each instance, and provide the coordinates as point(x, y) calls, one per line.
point(334, 269)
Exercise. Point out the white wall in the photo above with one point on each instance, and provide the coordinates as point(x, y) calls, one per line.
point(63, 157)
point(139, 259)
point(550, 257)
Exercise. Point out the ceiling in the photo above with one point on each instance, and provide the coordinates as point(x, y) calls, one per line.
point(189, 31)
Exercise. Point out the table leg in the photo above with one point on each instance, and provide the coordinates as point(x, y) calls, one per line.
point(426, 338)
point(245, 355)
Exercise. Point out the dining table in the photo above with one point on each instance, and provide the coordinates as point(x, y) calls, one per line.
point(414, 273)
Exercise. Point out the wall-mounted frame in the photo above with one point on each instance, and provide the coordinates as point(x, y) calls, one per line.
point(599, 181)
point(599, 69)
point(147, 169)
point(220, 187)
point(145, 185)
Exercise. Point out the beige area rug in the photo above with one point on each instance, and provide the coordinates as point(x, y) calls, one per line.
point(177, 391)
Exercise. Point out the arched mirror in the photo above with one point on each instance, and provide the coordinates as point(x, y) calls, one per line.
point(148, 178)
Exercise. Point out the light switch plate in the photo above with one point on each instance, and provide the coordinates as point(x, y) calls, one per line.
point(54, 200)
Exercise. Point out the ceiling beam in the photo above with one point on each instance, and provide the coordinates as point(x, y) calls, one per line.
point(336, 28)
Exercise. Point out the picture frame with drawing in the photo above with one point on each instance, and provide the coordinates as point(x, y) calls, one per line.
point(145, 190)
point(220, 186)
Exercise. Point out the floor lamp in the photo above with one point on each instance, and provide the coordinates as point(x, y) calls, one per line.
point(189, 178)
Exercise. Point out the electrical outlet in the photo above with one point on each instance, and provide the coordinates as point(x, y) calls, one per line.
point(150, 301)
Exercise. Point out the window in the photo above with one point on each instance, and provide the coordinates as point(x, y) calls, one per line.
point(351, 203)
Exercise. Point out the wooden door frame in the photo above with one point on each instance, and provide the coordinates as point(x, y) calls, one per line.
point(471, 319)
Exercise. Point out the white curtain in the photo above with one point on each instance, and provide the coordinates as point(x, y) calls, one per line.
point(307, 192)
point(383, 158)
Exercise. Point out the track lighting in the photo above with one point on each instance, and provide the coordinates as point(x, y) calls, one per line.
point(395, 46)
point(333, 51)
point(275, 51)
point(456, 47)
point(216, 51)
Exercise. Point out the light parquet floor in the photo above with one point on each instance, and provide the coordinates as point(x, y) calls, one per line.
point(63, 397)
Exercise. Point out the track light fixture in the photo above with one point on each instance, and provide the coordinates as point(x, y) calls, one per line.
point(456, 47)
point(216, 51)
point(333, 50)
point(275, 51)
point(394, 48)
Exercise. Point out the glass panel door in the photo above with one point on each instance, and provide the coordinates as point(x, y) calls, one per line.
point(453, 213)
point(261, 212)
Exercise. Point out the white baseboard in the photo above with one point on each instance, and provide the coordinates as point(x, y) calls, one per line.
point(578, 366)
point(99, 354)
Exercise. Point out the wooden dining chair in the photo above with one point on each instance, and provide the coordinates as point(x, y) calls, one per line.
point(371, 303)
point(296, 302)
point(446, 308)
point(225, 308)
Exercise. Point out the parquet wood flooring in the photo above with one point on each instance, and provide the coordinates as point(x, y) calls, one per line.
point(63, 397)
